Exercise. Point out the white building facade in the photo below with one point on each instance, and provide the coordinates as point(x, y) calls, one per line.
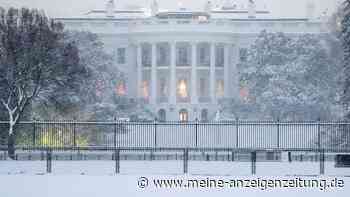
point(181, 64)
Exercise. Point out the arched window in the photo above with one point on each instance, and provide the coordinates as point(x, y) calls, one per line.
point(183, 115)
point(204, 115)
point(162, 115)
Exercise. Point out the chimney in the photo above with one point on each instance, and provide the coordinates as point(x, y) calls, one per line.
point(110, 7)
point(251, 9)
point(154, 8)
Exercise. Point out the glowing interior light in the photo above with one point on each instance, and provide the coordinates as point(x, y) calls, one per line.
point(220, 88)
point(182, 89)
point(145, 89)
point(121, 89)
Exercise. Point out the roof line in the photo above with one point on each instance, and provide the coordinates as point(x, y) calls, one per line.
point(116, 11)
point(129, 19)
point(239, 11)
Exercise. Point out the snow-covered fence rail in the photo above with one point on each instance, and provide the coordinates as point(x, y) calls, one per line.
point(229, 134)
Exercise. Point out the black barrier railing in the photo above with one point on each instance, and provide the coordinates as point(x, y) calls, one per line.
point(230, 134)
point(47, 155)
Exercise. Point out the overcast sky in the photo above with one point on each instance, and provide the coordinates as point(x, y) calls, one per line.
point(70, 8)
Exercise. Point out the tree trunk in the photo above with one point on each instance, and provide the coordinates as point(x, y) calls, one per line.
point(11, 146)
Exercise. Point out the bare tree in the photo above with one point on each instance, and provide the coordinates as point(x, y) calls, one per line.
point(34, 62)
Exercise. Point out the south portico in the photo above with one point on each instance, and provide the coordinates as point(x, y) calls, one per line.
point(184, 77)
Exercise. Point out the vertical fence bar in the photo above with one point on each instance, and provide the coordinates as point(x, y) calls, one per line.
point(186, 161)
point(319, 133)
point(34, 133)
point(237, 134)
point(322, 158)
point(115, 132)
point(117, 160)
point(74, 134)
point(253, 157)
point(155, 133)
point(49, 160)
point(196, 127)
point(278, 133)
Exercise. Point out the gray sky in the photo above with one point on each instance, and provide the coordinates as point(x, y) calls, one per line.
point(70, 8)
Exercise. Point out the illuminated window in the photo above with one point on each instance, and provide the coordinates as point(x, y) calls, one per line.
point(145, 89)
point(220, 88)
point(183, 115)
point(182, 90)
point(121, 53)
point(121, 89)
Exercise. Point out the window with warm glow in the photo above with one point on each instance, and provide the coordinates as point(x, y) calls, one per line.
point(183, 115)
point(145, 89)
point(182, 89)
point(121, 89)
point(220, 88)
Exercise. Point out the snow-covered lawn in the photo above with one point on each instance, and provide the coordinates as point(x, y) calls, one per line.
point(126, 185)
point(222, 168)
point(97, 178)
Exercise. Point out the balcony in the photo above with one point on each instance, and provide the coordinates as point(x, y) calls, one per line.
point(183, 99)
point(162, 100)
point(204, 99)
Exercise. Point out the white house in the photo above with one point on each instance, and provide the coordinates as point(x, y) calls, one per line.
point(181, 63)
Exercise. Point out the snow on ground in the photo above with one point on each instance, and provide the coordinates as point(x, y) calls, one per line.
point(126, 185)
point(97, 178)
point(222, 168)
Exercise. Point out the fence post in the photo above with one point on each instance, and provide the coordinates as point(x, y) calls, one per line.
point(322, 160)
point(319, 132)
point(34, 133)
point(155, 133)
point(186, 161)
point(49, 160)
point(196, 130)
point(237, 135)
point(117, 160)
point(278, 133)
point(253, 157)
point(115, 132)
point(74, 134)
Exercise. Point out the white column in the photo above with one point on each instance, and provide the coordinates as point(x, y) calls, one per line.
point(172, 99)
point(212, 86)
point(226, 71)
point(139, 71)
point(235, 79)
point(154, 75)
point(194, 98)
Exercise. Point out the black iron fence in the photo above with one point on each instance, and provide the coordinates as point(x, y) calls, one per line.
point(230, 134)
